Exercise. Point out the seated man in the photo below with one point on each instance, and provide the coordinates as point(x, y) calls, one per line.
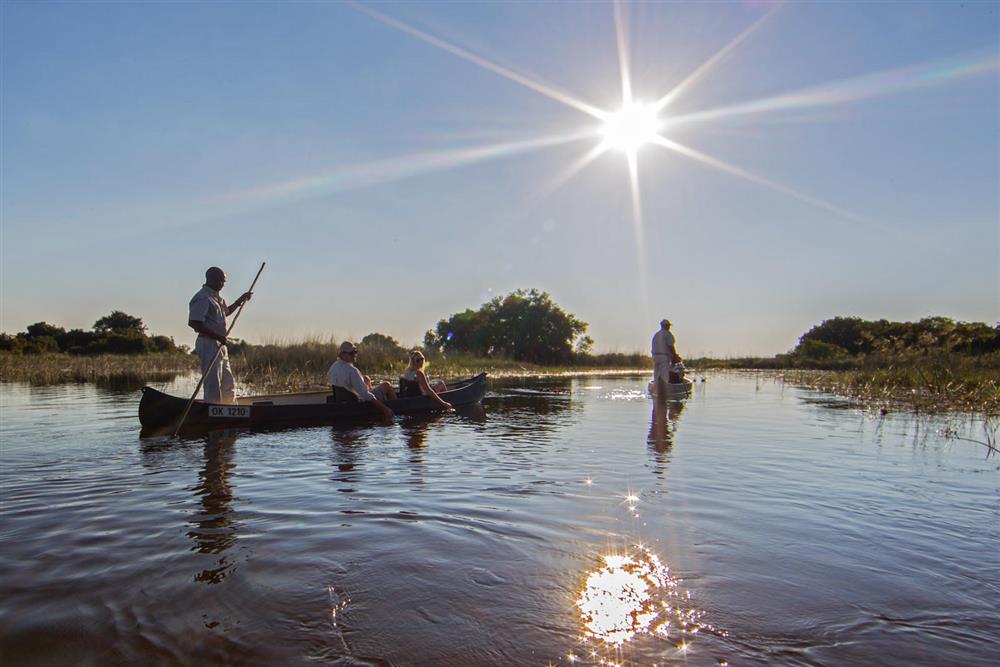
point(345, 375)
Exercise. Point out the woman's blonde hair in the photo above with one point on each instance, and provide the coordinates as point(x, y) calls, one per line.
point(415, 357)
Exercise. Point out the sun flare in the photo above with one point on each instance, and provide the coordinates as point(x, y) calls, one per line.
point(631, 127)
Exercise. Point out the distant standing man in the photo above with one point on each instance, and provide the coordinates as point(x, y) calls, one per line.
point(344, 374)
point(207, 315)
point(664, 353)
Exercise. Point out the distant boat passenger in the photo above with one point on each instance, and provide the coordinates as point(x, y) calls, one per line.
point(665, 355)
point(349, 384)
point(207, 315)
point(414, 382)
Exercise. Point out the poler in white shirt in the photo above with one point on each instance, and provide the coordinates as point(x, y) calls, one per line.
point(664, 353)
point(207, 314)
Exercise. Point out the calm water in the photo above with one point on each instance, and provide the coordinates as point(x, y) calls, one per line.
point(564, 522)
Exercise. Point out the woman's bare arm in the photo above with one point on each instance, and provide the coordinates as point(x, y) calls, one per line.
point(425, 387)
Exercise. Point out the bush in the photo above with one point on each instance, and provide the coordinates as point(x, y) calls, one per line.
point(118, 343)
point(161, 344)
point(819, 351)
point(75, 339)
point(9, 343)
point(40, 345)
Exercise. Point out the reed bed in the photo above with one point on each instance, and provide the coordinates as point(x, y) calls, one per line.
point(300, 366)
point(53, 368)
point(924, 383)
point(943, 384)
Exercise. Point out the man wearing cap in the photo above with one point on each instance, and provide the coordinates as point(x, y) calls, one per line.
point(664, 353)
point(207, 315)
point(344, 374)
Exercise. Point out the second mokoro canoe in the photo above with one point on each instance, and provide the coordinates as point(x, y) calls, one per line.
point(158, 410)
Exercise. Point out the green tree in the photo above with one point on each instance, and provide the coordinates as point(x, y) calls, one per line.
point(524, 325)
point(119, 322)
point(844, 332)
point(40, 329)
point(383, 343)
point(931, 335)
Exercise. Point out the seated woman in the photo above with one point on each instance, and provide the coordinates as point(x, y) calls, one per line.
point(413, 381)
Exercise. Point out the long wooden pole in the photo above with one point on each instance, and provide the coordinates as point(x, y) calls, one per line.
point(232, 324)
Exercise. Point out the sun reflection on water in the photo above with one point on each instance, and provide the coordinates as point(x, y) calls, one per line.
point(634, 595)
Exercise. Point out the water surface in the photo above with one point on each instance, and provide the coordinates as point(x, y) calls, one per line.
point(564, 522)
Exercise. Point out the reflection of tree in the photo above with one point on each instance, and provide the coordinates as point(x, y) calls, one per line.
point(531, 407)
point(662, 426)
point(213, 529)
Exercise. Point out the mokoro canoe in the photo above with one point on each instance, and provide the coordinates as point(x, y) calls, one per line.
point(158, 410)
point(671, 390)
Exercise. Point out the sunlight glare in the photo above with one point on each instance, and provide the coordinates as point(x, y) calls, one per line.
point(631, 127)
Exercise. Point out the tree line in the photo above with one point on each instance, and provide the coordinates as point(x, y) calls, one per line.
point(529, 326)
point(847, 337)
point(525, 325)
point(117, 333)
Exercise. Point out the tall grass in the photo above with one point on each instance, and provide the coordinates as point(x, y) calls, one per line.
point(932, 383)
point(926, 382)
point(51, 368)
point(289, 366)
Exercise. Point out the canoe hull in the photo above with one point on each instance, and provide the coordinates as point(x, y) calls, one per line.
point(159, 411)
point(671, 390)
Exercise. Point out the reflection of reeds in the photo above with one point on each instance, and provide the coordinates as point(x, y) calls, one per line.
point(104, 369)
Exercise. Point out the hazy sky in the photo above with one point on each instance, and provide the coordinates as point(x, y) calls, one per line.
point(399, 162)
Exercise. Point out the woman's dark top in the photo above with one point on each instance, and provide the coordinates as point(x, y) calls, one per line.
point(409, 388)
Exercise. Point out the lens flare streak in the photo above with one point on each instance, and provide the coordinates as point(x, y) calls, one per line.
point(630, 128)
point(379, 172)
point(857, 88)
point(703, 69)
point(544, 89)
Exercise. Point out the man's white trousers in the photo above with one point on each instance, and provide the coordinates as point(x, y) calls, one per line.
point(220, 385)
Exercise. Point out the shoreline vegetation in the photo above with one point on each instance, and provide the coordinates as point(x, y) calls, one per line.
point(933, 365)
point(945, 383)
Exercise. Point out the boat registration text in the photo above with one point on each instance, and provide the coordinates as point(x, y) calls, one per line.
point(229, 411)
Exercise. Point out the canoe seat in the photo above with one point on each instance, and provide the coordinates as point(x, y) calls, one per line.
point(409, 388)
point(342, 395)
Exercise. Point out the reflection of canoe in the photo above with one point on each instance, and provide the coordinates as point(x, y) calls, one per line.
point(671, 389)
point(158, 410)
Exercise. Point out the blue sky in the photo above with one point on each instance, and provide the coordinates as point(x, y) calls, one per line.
point(389, 182)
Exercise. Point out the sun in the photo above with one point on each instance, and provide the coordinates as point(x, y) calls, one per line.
point(631, 127)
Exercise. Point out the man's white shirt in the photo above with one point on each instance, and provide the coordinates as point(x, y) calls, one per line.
point(209, 307)
point(343, 374)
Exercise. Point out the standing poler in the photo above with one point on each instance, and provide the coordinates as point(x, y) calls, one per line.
point(207, 315)
point(664, 353)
